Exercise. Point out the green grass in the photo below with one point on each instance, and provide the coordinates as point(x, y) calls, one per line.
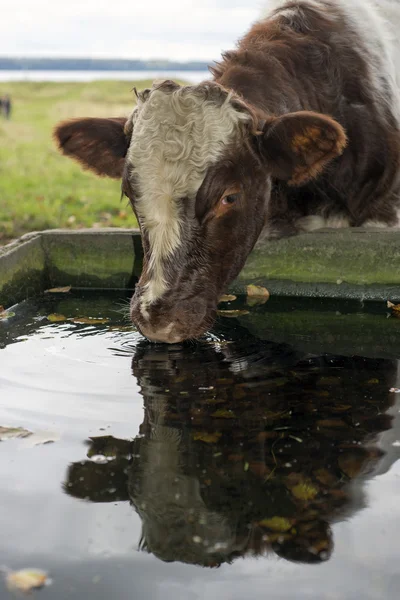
point(39, 188)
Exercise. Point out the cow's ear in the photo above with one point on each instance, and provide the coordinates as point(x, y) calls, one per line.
point(297, 146)
point(97, 144)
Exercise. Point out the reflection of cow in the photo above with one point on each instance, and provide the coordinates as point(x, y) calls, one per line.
point(243, 456)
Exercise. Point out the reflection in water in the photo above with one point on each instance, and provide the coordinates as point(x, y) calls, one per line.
point(246, 448)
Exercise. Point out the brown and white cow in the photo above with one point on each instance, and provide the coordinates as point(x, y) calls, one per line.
point(298, 129)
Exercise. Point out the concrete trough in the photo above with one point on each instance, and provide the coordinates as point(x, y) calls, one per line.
point(310, 277)
point(350, 264)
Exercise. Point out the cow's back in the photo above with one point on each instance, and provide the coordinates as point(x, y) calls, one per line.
point(373, 25)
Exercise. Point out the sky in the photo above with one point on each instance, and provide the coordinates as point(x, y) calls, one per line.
point(174, 29)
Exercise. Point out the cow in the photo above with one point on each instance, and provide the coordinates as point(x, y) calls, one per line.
point(297, 129)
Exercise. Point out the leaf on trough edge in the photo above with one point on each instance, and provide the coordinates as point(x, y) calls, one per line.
point(395, 308)
point(256, 295)
point(26, 580)
point(55, 318)
point(59, 290)
point(232, 313)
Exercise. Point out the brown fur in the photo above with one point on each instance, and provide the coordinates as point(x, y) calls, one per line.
point(97, 144)
point(311, 62)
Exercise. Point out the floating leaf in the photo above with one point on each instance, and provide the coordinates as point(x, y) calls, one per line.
point(277, 524)
point(55, 318)
point(27, 580)
point(256, 295)
point(207, 437)
point(227, 298)
point(304, 491)
point(59, 290)
point(9, 433)
point(90, 321)
point(42, 437)
point(224, 413)
point(231, 314)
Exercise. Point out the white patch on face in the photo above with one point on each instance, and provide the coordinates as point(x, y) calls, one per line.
point(177, 136)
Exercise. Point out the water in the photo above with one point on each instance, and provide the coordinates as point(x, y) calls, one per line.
point(191, 76)
point(277, 464)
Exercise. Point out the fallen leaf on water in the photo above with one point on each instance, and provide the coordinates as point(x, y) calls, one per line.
point(256, 295)
point(207, 437)
point(395, 308)
point(89, 321)
point(27, 580)
point(41, 437)
point(232, 313)
point(277, 524)
point(9, 433)
point(59, 290)
point(227, 298)
point(304, 491)
point(55, 318)
point(224, 414)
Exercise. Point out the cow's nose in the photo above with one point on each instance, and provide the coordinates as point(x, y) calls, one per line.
point(164, 334)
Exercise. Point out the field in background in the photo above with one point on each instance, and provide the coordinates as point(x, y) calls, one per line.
point(39, 188)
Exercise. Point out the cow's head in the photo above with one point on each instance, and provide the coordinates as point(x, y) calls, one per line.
point(197, 164)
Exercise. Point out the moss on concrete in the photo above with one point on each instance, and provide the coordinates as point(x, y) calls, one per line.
point(22, 270)
point(335, 264)
point(90, 259)
point(356, 256)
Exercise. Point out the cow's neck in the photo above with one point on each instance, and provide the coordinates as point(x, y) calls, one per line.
point(279, 68)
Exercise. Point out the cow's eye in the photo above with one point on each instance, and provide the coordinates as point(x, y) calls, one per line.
point(230, 199)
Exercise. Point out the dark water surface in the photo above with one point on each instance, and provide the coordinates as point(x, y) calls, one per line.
point(268, 449)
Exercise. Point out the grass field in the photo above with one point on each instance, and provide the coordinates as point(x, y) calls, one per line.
point(39, 188)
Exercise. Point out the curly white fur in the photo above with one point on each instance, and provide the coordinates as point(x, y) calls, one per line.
point(177, 136)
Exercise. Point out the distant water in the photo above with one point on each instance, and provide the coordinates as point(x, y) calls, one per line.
point(20, 75)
